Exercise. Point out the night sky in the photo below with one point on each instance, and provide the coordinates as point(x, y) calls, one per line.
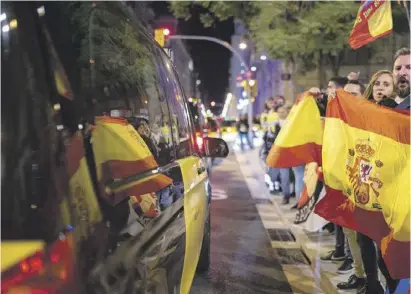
point(211, 60)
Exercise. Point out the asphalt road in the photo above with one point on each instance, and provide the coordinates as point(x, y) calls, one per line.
point(242, 260)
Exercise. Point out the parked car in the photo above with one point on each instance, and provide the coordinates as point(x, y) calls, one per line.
point(103, 190)
point(212, 128)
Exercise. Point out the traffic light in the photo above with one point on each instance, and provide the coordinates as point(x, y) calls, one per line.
point(161, 36)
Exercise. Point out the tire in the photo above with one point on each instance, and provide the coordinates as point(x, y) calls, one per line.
point(204, 260)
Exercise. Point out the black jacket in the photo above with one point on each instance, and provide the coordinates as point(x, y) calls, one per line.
point(246, 125)
point(269, 138)
point(404, 105)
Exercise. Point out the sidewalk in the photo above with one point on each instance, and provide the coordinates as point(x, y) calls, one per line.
point(313, 245)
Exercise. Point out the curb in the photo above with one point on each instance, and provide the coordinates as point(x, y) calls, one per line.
point(322, 270)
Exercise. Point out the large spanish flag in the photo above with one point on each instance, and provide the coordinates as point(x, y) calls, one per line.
point(366, 169)
point(299, 141)
point(374, 20)
point(122, 155)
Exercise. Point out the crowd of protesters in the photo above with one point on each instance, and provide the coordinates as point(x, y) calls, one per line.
point(356, 252)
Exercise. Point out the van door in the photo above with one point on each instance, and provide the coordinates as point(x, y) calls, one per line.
point(196, 202)
point(114, 102)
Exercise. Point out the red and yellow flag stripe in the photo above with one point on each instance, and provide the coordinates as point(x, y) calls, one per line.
point(366, 168)
point(299, 141)
point(119, 153)
point(374, 20)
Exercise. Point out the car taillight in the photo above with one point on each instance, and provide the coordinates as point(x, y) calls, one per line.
point(44, 272)
point(200, 143)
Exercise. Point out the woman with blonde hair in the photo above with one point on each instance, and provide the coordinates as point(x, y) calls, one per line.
point(381, 87)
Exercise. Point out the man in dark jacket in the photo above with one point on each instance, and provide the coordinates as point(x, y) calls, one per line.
point(401, 72)
point(243, 128)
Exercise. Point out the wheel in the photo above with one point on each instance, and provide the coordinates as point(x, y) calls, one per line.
point(204, 260)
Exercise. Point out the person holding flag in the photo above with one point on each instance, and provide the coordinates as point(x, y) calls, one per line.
point(349, 217)
point(401, 73)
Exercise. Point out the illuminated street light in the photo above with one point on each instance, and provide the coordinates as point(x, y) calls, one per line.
point(13, 24)
point(213, 103)
point(263, 57)
point(5, 28)
point(190, 100)
point(253, 68)
point(41, 11)
point(243, 45)
point(198, 82)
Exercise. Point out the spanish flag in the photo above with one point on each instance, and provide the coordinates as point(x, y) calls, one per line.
point(299, 141)
point(374, 20)
point(83, 197)
point(366, 169)
point(121, 154)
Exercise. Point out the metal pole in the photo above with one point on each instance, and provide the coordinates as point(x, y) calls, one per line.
point(407, 12)
point(236, 54)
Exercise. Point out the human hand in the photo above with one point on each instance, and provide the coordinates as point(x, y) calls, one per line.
point(332, 93)
point(316, 92)
point(352, 76)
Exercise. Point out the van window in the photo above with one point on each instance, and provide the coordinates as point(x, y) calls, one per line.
point(121, 105)
point(180, 116)
point(30, 156)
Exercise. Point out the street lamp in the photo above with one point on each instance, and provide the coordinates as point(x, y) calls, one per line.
point(229, 47)
point(243, 45)
point(198, 82)
point(263, 57)
point(213, 103)
point(253, 68)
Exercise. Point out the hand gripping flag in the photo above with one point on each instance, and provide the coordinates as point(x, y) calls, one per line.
point(120, 154)
point(366, 169)
point(374, 20)
point(299, 141)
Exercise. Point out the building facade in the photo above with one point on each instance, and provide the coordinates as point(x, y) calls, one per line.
point(266, 72)
point(236, 70)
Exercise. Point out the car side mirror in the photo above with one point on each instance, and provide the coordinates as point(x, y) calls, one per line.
point(215, 147)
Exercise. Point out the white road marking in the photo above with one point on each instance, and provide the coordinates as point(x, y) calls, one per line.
point(218, 194)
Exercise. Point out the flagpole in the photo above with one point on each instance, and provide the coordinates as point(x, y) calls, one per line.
point(407, 12)
point(408, 16)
